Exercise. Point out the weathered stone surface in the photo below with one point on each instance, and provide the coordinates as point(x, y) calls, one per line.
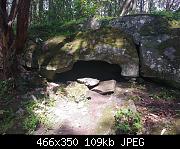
point(158, 42)
point(131, 24)
point(105, 87)
point(116, 41)
point(138, 25)
point(105, 44)
point(95, 23)
point(160, 59)
point(97, 98)
point(88, 81)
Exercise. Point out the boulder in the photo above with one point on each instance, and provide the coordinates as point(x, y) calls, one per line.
point(105, 87)
point(158, 45)
point(105, 44)
point(160, 59)
point(140, 44)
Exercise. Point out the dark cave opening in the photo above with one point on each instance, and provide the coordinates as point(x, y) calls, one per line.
point(91, 69)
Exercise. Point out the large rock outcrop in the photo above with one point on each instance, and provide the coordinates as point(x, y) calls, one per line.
point(105, 44)
point(158, 45)
point(160, 59)
point(140, 44)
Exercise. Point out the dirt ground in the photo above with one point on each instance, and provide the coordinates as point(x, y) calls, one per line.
point(158, 106)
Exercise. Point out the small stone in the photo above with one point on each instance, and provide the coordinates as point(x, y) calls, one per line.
point(88, 81)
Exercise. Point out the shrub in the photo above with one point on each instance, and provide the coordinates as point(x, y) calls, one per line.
point(165, 95)
point(168, 14)
point(127, 122)
point(30, 123)
point(6, 88)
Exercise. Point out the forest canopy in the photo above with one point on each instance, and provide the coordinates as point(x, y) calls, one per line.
point(46, 11)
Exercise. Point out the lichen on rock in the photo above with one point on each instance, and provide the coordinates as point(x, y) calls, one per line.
point(106, 44)
point(160, 60)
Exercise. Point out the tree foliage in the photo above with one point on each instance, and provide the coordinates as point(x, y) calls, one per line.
point(64, 10)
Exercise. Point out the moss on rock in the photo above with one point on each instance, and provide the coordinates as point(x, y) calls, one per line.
point(107, 44)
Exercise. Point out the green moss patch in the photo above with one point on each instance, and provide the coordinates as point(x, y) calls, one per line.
point(108, 36)
point(174, 24)
point(61, 48)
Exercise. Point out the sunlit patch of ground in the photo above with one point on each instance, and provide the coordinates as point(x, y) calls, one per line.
point(54, 109)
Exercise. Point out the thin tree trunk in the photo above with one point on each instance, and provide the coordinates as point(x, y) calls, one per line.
point(41, 10)
point(125, 7)
point(141, 6)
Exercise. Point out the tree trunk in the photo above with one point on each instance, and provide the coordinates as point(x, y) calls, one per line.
point(141, 6)
point(22, 25)
point(11, 44)
point(125, 7)
point(41, 10)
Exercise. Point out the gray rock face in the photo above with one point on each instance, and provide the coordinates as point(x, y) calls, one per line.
point(114, 55)
point(160, 59)
point(88, 81)
point(105, 87)
point(129, 24)
point(28, 58)
point(158, 46)
point(132, 25)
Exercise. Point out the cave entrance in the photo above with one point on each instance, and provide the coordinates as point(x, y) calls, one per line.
point(91, 69)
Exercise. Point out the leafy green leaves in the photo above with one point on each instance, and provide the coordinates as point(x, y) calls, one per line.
point(127, 122)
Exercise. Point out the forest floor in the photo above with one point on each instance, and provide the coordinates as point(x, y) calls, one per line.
point(50, 110)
